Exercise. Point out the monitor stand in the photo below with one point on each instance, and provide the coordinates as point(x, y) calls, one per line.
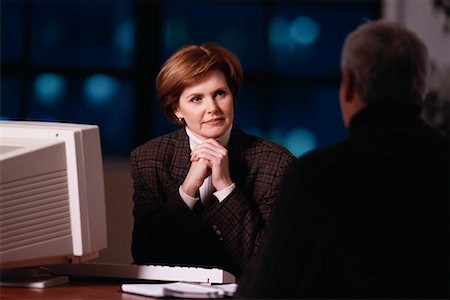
point(35, 277)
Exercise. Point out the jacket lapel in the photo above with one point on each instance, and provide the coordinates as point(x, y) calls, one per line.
point(236, 155)
point(181, 156)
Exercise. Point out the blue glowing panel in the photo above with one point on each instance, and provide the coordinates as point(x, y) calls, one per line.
point(82, 33)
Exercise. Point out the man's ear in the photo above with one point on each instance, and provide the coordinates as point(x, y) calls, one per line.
point(349, 98)
point(347, 86)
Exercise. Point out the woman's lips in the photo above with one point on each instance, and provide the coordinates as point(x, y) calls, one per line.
point(214, 121)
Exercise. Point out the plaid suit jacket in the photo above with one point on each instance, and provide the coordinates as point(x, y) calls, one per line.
point(225, 234)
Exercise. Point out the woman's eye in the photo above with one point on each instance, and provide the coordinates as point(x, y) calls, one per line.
point(220, 93)
point(195, 99)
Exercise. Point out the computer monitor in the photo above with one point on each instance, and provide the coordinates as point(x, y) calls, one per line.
point(52, 200)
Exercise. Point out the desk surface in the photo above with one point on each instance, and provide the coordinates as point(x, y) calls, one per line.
point(74, 290)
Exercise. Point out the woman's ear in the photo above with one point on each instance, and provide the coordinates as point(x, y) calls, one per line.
point(177, 112)
point(179, 115)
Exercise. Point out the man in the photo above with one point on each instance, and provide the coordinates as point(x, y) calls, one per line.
point(368, 217)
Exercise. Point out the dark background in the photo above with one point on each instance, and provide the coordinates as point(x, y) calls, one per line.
point(96, 61)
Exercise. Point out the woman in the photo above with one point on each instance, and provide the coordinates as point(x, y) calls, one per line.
point(203, 194)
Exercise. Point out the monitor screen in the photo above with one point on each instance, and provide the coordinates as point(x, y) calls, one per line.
point(52, 200)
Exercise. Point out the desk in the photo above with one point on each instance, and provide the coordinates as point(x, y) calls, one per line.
point(79, 290)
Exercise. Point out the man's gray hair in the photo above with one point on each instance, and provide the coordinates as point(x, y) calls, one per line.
point(388, 62)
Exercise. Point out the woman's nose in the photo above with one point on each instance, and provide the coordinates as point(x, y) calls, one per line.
point(211, 105)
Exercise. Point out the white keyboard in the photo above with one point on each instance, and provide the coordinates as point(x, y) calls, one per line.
point(144, 272)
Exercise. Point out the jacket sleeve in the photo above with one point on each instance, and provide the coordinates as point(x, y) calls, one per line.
point(163, 224)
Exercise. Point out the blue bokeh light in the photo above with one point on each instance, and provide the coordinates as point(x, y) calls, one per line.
point(304, 30)
point(300, 140)
point(279, 32)
point(100, 88)
point(49, 88)
point(124, 37)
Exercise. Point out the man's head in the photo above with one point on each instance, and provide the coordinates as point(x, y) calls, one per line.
point(382, 62)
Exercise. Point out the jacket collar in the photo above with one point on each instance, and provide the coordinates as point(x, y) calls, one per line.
point(381, 117)
point(194, 141)
point(181, 154)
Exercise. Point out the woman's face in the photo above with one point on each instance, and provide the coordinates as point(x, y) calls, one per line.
point(207, 106)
